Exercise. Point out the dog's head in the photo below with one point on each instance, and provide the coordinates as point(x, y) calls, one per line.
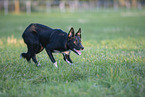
point(74, 41)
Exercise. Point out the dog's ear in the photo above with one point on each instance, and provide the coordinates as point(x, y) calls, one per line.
point(71, 33)
point(78, 33)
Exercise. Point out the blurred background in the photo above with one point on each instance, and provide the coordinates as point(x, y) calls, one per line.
point(63, 6)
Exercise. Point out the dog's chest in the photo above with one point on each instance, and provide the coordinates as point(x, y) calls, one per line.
point(64, 52)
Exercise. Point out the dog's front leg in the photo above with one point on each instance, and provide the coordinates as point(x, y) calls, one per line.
point(66, 57)
point(51, 57)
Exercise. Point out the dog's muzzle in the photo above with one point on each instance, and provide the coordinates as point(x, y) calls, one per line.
point(78, 52)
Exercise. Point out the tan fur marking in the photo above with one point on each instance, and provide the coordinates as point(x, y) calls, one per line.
point(33, 28)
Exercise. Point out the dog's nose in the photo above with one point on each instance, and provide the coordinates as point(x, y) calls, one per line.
point(82, 48)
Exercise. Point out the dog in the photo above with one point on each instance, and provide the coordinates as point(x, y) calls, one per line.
point(38, 37)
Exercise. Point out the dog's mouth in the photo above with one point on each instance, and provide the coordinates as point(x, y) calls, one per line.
point(78, 52)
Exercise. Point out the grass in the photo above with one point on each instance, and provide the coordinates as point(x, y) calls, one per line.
point(112, 64)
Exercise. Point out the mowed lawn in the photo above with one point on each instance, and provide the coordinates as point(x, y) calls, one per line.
point(111, 65)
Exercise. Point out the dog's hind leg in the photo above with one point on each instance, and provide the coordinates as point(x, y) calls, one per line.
point(35, 50)
point(35, 60)
point(32, 41)
point(23, 55)
point(27, 55)
point(29, 52)
point(38, 49)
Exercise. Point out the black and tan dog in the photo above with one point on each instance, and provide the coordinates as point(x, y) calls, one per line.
point(38, 36)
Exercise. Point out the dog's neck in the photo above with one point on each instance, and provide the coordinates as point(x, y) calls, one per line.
point(66, 46)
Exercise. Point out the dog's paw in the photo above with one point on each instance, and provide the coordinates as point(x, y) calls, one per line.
point(38, 65)
point(55, 64)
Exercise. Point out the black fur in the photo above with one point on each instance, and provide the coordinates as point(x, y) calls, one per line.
point(38, 37)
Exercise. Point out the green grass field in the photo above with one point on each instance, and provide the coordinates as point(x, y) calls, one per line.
point(111, 65)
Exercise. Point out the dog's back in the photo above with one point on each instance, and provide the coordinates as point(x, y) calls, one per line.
point(44, 34)
point(35, 28)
